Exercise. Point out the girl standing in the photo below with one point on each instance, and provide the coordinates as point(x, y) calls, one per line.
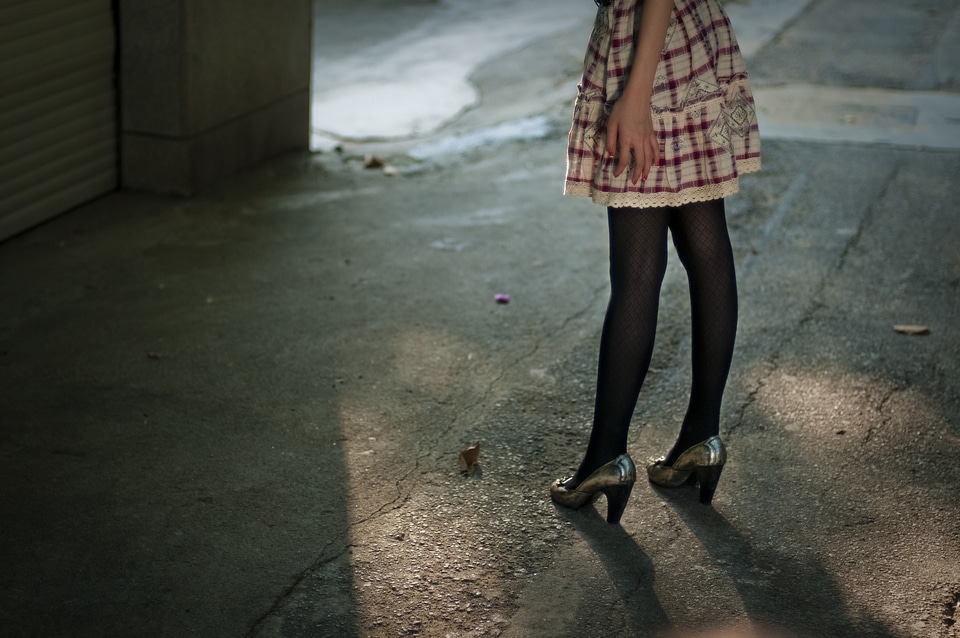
point(663, 126)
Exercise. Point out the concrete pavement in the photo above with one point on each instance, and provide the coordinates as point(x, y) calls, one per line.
point(240, 414)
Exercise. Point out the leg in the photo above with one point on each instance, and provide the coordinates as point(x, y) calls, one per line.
point(638, 260)
point(700, 235)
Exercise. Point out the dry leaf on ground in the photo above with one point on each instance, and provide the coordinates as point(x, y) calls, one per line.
point(912, 330)
point(372, 161)
point(468, 458)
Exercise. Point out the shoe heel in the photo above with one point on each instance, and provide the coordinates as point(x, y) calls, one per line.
point(617, 498)
point(708, 477)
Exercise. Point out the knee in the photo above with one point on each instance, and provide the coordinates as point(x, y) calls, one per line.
point(639, 275)
point(716, 256)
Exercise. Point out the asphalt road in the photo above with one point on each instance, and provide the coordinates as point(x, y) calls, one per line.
point(240, 414)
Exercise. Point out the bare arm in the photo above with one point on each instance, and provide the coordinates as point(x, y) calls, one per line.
point(630, 127)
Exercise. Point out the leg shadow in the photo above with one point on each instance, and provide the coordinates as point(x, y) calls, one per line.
point(779, 586)
point(630, 570)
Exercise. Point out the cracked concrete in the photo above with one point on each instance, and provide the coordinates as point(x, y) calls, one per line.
point(239, 415)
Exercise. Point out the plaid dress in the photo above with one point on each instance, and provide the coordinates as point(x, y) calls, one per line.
point(703, 110)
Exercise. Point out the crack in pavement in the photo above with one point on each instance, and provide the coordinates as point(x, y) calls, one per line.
point(747, 403)
point(773, 225)
point(391, 505)
point(505, 371)
point(881, 406)
point(815, 304)
point(865, 221)
point(324, 560)
point(311, 569)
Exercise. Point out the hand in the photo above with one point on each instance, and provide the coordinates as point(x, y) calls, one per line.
point(630, 133)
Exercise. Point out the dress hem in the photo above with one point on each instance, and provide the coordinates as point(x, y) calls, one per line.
point(636, 199)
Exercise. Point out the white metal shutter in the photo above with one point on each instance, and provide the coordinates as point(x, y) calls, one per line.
point(58, 121)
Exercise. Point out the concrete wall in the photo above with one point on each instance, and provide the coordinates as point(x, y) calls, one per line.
point(208, 87)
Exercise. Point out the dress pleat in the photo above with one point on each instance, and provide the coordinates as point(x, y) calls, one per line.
point(702, 107)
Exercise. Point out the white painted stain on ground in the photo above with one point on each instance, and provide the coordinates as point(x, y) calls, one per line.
point(413, 84)
point(838, 114)
point(530, 128)
point(922, 119)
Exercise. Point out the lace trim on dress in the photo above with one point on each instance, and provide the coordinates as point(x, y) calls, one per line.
point(658, 200)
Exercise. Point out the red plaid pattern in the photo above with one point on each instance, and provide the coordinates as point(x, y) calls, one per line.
point(703, 110)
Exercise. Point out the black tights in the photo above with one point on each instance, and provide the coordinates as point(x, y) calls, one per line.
point(638, 260)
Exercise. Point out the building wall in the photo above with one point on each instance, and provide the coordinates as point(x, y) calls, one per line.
point(208, 87)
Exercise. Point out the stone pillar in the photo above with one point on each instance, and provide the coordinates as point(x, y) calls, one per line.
point(208, 87)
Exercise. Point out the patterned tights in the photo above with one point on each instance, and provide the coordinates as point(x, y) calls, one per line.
point(638, 260)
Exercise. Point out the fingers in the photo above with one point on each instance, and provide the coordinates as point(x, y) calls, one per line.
point(627, 151)
point(647, 159)
point(645, 155)
point(612, 131)
point(614, 144)
point(642, 160)
point(623, 162)
point(641, 167)
point(655, 147)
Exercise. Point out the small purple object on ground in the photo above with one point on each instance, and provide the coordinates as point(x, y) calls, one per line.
point(501, 298)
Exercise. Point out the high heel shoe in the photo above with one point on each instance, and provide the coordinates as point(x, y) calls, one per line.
point(701, 464)
point(615, 480)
